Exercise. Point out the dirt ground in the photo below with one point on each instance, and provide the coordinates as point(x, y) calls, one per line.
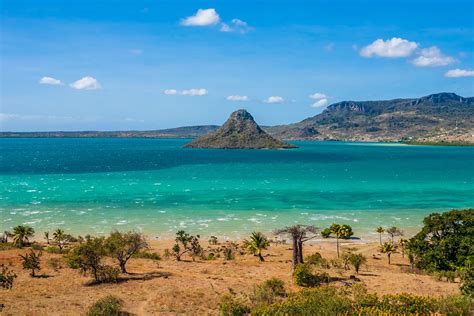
point(168, 287)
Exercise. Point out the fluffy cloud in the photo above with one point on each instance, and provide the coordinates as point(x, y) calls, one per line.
point(432, 57)
point(237, 98)
point(191, 92)
point(458, 73)
point(236, 26)
point(393, 48)
point(86, 83)
point(170, 91)
point(50, 81)
point(318, 96)
point(194, 92)
point(274, 99)
point(320, 103)
point(202, 17)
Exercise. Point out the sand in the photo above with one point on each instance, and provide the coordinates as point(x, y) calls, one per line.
point(168, 287)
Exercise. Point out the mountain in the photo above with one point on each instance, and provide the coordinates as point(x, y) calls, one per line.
point(239, 132)
point(436, 118)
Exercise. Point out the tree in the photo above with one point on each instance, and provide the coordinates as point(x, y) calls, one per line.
point(341, 231)
point(380, 230)
point(87, 256)
point(6, 277)
point(298, 234)
point(357, 260)
point(186, 243)
point(394, 232)
point(46, 237)
point(31, 261)
point(388, 248)
point(21, 234)
point(402, 243)
point(256, 243)
point(61, 238)
point(445, 242)
point(122, 246)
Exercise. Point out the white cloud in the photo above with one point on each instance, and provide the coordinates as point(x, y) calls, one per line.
point(202, 17)
point(5, 117)
point(194, 92)
point(274, 99)
point(50, 81)
point(170, 91)
point(318, 96)
point(86, 83)
point(432, 57)
point(237, 98)
point(393, 48)
point(320, 103)
point(236, 26)
point(191, 92)
point(458, 73)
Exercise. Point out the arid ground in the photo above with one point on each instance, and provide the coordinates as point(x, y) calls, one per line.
point(168, 287)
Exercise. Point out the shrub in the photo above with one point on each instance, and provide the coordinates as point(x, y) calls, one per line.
point(52, 249)
point(31, 261)
point(230, 305)
point(326, 233)
point(186, 243)
point(213, 240)
point(228, 254)
point(357, 260)
point(109, 305)
point(467, 279)
point(107, 274)
point(406, 304)
point(6, 277)
point(87, 256)
point(269, 291)
point(303, 276)
point(147, 255)
point(37, 247)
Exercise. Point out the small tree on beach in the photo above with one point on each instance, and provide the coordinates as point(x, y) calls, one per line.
point(388, 248)
point(6, 277)
point(402, 243)
point(298, 234)
point(186, 243)
point(87, 256)
point(31, 261)
point(341, 231)
point(46, 237)
point(394, 232)
point(256, 243)
point(21, 235)
point(380, 230)
point(61, 238)
point(357, 260)
point(122, 246)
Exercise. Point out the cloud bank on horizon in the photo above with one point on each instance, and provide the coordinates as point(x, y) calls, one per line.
point(230, 55)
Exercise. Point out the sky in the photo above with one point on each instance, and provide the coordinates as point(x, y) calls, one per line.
point(141, 65)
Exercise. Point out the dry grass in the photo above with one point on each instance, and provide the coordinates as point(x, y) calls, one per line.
point(168, 287)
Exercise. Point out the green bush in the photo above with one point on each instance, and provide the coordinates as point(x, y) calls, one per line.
point(317, 260)
point(37, 247)
point(230, 305)
point(326, 233)
point(107, 274)
point(303, 276)
point(6, 277)
point(53, 249)
point(228, 254)
point(147, 255)
point(269, 291)
point(107, 306)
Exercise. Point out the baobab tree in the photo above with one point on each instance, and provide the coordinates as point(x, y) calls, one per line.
point(298, 234)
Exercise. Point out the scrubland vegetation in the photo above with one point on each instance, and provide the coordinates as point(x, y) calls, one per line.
point(444, 248)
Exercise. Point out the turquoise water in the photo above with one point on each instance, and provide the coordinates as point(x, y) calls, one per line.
point(156, 186)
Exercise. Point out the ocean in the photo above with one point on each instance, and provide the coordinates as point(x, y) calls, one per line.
point(93, 186)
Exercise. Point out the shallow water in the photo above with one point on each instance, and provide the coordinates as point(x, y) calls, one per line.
point(156, 186)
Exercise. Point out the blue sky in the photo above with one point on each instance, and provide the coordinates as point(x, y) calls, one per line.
point(121, 65)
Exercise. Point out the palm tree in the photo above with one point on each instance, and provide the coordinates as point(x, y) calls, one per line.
point(340, 231)
point(380, 230)
point(256, 244)
point(46, 236)
point(61, 238)
point(21, 234)
point(388, 248)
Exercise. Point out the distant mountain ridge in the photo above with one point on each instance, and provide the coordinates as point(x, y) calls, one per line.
point(240, 131)
point(442, 117)
point(436, 118)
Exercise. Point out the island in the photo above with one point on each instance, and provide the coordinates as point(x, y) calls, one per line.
point(240, 131)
